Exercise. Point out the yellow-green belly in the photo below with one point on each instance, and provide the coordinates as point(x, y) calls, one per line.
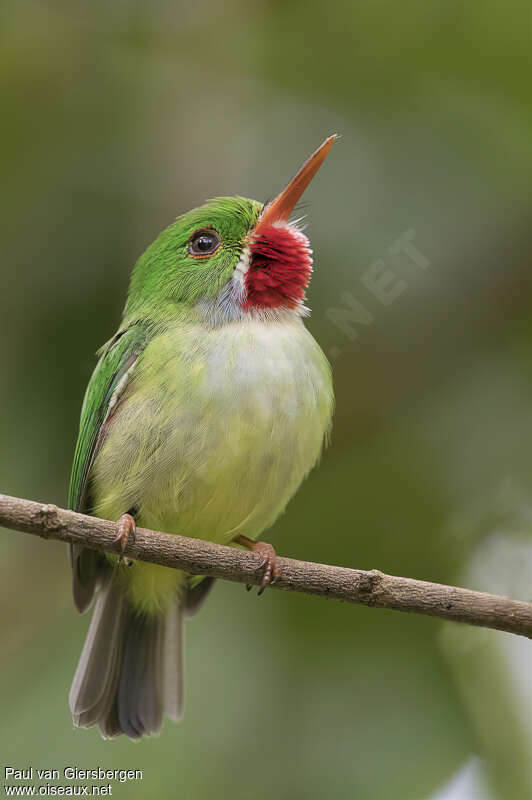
point(212, 437)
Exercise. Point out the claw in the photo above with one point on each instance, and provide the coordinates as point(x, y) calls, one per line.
point(269, 563)
point(126, 530)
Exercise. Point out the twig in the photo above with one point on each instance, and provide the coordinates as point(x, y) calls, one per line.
point(196, 556)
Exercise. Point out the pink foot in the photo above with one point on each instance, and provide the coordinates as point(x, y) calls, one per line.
point(270, 561)
point(126, 530)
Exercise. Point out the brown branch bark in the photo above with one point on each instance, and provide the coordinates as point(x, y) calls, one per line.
point(196, 556)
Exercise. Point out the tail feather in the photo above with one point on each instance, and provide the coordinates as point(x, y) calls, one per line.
point(96, 671)
point(152, 701)
point(196, 596)
point(173, 654)
point(140, 700)
point(110, 725)
point(130, 670)
point(88, 569)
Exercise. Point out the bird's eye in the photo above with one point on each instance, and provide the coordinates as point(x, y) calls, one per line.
point(204, 242)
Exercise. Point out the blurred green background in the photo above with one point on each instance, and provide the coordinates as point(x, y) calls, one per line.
point(118, 117)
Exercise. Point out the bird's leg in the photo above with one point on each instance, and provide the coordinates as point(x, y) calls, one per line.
point(125, 531)
point(270, 561)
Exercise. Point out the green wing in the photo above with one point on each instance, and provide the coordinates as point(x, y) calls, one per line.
point(117, 359)
point(105, 386)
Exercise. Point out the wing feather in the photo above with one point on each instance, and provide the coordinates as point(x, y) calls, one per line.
point(106, 385)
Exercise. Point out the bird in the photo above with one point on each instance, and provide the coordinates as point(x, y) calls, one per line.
point(204, 414)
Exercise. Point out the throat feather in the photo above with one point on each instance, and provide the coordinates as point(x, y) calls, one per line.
point(279, 269)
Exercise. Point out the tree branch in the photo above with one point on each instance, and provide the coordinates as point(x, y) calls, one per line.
point(199, 557)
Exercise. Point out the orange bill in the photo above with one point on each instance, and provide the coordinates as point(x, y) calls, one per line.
point(279, 210)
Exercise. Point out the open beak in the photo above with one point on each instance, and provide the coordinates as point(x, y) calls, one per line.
point(279, 210)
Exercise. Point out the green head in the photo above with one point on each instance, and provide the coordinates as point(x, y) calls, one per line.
point(229, 257)
point(194, 258)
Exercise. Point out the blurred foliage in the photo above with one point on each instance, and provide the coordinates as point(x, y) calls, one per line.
point(117, 117)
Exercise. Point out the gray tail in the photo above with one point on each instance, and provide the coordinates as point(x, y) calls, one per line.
point(130, 672)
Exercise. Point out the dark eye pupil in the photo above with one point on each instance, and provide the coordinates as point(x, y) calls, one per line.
point(204, 242)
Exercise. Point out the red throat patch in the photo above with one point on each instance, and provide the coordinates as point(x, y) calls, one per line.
point(279, 269)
